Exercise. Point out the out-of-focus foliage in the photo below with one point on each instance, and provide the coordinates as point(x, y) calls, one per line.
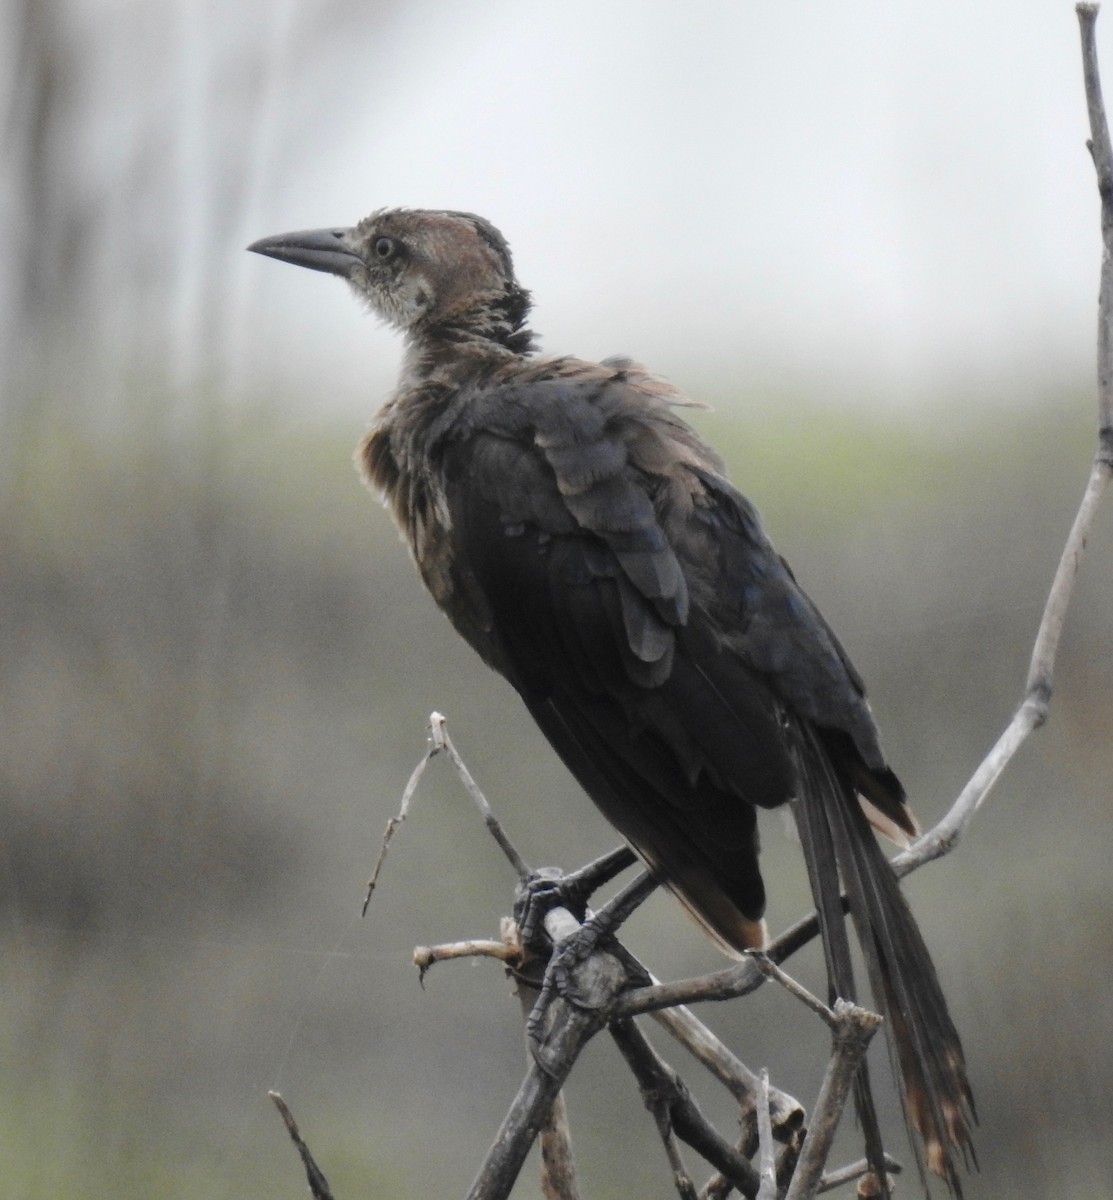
point(218, 664)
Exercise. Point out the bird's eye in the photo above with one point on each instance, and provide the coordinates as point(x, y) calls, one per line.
point(384, 248)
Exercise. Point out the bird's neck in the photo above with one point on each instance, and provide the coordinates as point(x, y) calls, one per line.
point(491, 323)
point(452, 353)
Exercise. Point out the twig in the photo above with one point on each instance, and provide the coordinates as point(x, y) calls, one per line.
point(767, 1163)
point(396, 821)
point(787, 1114)
point(598, 977)
point(441, 741)
point(1101, 151)
point(508, 950)
point(667, 1097)
point(731, 982)
point(834, 1179)
point(853, 1027)
point(771, 971)
point(318, 1184)
point(558, 1168)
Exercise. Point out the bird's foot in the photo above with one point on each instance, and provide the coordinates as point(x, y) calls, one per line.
point(563, 976)
point(561, 979)
point(549, 888)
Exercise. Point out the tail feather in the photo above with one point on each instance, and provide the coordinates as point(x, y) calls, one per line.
point(823, 874)
point(924, 1046)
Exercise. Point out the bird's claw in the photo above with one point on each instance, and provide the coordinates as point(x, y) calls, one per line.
point(560, 980)
point(545, 889)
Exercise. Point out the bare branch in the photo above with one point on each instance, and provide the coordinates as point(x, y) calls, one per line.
point(667, 1097)
point(771, 971)
point(834, 1179)
point(318, 1184)
point(442, 741)
point(787, 1114)
point(571, 1027)
point(1101, 151)
point(396, 821)
point(853, 1029)
point(558, 1169)
point(733, 981)
point(505, 950)
point(767, 1168)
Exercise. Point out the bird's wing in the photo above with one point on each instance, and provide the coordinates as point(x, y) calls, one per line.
point(770, 622)
point(586, 610)
point(622, 466)
point(630, 595)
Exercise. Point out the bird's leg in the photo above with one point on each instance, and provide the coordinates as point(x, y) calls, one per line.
point(577, 946)
point(548, 888)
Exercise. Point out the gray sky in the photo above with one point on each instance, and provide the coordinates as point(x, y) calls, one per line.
point(878, 196)
point(862, 198)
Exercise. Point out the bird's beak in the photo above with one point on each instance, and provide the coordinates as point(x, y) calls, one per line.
point(330, 250)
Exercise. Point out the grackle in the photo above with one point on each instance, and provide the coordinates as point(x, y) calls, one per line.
point(587, 544)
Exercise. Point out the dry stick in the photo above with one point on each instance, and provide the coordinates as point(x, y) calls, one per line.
point(1101, 151)
point(537, 1096)
point(425, 956)
point(767, 1168)
point(396, 821)
point(597, 980)
point(834, 1179)
point(667, 1097)
point(318, 1184)
point(441, 741)
point(558, 1168)
point(787, 1114)
point(662, 1093)
point(539, 1104)
point(852, 1027)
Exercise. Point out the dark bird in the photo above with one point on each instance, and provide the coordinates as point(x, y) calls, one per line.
point(587, 544)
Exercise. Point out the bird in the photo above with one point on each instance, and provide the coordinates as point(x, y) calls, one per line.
point(586, 541)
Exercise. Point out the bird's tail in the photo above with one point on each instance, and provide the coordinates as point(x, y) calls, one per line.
point(924, 1046)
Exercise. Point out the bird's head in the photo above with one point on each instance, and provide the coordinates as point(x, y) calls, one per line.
point(421, 271)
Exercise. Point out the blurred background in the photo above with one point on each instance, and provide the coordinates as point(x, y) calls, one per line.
point(866, 233)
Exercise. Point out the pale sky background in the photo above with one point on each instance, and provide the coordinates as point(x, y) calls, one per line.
point(878, 199)
point(861, 199)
